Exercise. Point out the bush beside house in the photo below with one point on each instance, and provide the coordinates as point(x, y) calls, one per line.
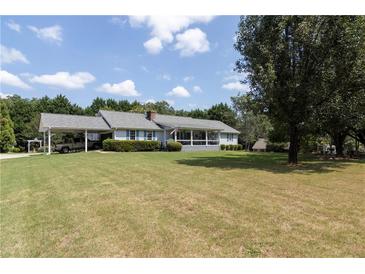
point(126, 146)
point(174, 146)
point(231, 147)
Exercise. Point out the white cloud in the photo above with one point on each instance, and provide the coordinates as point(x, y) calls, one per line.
point(14, 26)
point(118, 20)
point(179, 91)
point(6, 78)
point(166, 77)
point(192, 106)
point(235, 86)
point(145, 69)
point(119, 69)
point(197, 89)
point(5, 95)
point(164, 28)
point(11, 55)
point(188, 78)
point(192, 41)
point(51, 34)
point(153, 46)
point(64, 79)
point(150, 101)
point(125, 88)
point(170, 102)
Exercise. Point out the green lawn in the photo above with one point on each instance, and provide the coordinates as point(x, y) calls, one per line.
point(209, 204)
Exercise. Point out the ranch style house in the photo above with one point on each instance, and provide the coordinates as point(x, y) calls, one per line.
point(193, 134)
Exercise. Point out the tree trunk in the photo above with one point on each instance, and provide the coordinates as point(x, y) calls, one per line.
point(294, 145)
point(338, 141)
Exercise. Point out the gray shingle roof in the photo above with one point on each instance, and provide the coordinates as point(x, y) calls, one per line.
point(74, 122)
point(261, 143)
point(127, 120)
point(192, 123)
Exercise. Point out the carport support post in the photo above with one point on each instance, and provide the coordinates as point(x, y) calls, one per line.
point(85, 140)
point(191, 137)
point(44, 141)
point(49, 141)
point(206, 137)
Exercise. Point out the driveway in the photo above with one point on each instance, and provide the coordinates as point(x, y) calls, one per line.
point(4, 156)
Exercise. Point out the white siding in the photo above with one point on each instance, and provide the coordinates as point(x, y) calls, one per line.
point(122, 135)
point(224, 141)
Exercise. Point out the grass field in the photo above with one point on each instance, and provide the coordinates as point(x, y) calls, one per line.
point(209, 204)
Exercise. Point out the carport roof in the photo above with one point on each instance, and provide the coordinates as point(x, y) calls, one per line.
point(71, 122)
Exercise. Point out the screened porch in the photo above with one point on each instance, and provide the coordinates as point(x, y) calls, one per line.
point(195, 137)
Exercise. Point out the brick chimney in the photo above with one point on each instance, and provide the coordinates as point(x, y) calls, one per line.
point(151, 115)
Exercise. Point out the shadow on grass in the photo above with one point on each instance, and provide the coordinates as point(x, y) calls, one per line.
point(272, 162)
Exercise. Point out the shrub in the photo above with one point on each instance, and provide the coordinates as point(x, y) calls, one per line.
point(223, 147)
point(230, 147)
point(174, 146)
point(276, 147)
point(15, 149)
point(239, 147)
point(130, 145)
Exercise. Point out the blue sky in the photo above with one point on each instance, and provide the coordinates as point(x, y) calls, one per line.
point(187, 61)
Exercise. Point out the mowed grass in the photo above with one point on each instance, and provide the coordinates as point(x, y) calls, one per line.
point(206, 204)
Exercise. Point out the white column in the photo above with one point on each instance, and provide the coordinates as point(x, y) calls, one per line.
point(164, 137)
point(28, 146)
point(191, 137)
point(206, 137)
point(175, 134)
point(85, 140)
point(49, 141)
point(44, 142)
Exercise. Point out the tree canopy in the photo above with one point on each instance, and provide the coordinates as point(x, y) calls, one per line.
point(292, 62)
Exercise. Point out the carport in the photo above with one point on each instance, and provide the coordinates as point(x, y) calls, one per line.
point(66, 123)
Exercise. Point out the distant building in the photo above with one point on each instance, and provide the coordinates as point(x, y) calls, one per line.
point(260, 145)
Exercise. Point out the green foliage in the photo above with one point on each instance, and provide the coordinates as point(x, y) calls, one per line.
point(14, 150)
point(173, 146)
point(232, 147)
point(251, 123)
point(294, 64)
point(223, 147)
point(276, 147)
point(130, 145)
point(7, 137)
point(222, 112)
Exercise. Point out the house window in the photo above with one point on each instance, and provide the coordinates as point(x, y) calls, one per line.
point(229, 137)
point(149, 135)
point(132, 135)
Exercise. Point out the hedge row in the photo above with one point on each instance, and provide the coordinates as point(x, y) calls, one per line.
point(126, 146)
point(277, 147)
point(231, 147)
